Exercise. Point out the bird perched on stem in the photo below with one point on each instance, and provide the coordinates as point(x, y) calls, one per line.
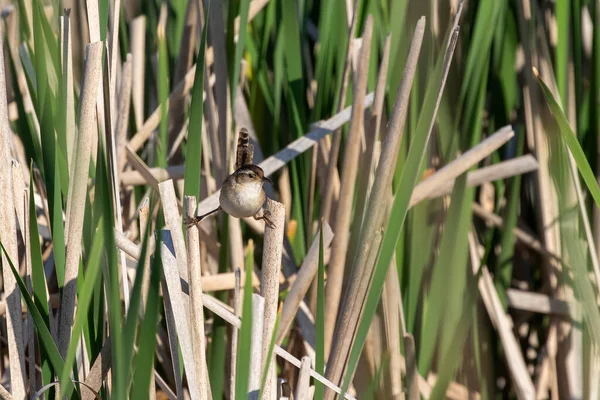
point(242, 194)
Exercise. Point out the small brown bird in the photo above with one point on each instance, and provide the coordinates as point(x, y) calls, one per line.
point(242, 194)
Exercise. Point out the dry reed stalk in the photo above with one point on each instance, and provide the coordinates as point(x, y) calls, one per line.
point(137, 34)
point(514, 358)
point(234, 332)
point(269, 165)
point(303, 384)
point(391, 320)
point(210, 113)
point(306, 274)
point(502, 170)
point(173, 222)
point(367, 158)
point(67, 79)
point(175, 306)
point(373, 216)
point(99, 370)
point(123, 113)
point(269, 287)
point(18, 188)
point(143, 213)
point(216, 282)
point(140, 166)
point(254, 9)
point(311, 193)
point(78, 188)
point(236, 243)
point(196, 305)
point(4, 394)
point(336, 137)
point(28, 280)
point(137, 178)
point(412, 373)
point(110, 140)
point(461, 164)
point(540, 303)
point(93, 19)
point(184, 60)
point(537, 141)
point(8, 236)
point(148, 127)
point(114, 11)
point(217, 30)
point(524, 237)
point(164, 386)
point(285, 192)
point(222, 310)
point(256, 347)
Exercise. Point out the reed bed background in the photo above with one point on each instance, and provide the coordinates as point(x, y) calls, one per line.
point(436, 200)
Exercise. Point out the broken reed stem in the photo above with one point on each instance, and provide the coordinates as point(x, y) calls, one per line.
point(503, 324)
point(170, 205)
point(78, 188)
point(303, 383)
point(196, 304)
point(8, 236)
point(304, 278)
point(339, 246)
point(175, 305)
point(256, 347)
point(269, 288)
point(502, 170)
point(337, 134)
point(461, 164)
point(374, 214)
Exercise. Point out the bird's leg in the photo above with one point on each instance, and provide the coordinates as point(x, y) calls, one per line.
point(265, 216)
point(196, 220)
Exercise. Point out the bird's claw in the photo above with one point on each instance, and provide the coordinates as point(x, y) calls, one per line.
point(265, 217)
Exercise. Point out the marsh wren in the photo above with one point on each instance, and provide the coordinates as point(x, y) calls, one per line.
point(242, 194)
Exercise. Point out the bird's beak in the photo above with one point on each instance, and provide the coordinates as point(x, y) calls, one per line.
point(265, 179)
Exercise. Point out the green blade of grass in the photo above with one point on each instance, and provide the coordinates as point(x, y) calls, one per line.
point(570, 140)
point(244, 7)
point(83, 302)
point(563, 37)
point(577, 257)
point(144, 360)
point(397, 215)
point(129, 332)
point(193, 167)
point(448, 279)
point(245, 336)
point(112, 271)
point(38, 278)
point(43, 333)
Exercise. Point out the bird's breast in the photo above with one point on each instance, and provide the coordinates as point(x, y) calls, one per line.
point(242, 202)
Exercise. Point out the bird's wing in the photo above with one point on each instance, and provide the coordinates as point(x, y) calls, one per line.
point(245, 150)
